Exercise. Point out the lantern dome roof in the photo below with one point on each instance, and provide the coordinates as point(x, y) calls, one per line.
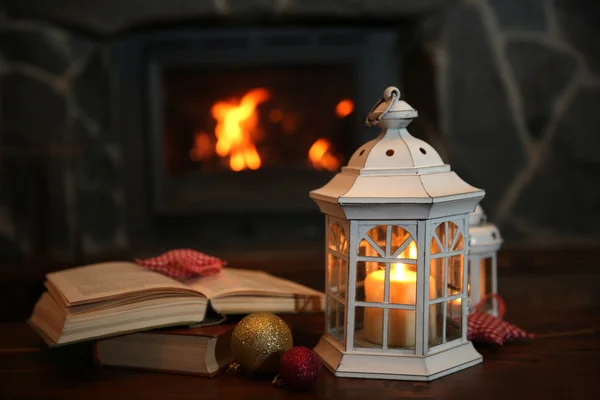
point(477, 217)
point(485, 236)
point(396, 169)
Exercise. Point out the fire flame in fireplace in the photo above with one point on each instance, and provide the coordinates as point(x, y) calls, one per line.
point(344, 108)
point(321, 157)
point(236, 130)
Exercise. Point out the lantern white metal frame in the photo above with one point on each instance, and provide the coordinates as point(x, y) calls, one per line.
point(483, 270)
point(396, 208)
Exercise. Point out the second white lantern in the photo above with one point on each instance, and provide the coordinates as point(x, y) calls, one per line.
point(483, 270)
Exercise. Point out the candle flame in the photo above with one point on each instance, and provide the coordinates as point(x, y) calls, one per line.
point(401, 271)
point(412, 250)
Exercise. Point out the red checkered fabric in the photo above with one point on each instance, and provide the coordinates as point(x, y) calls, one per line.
point(183, 263)
point(483, 327)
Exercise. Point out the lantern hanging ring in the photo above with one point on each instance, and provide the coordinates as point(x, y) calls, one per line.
point(391, 95)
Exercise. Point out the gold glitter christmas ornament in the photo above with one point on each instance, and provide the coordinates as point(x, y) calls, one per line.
point(258, 342)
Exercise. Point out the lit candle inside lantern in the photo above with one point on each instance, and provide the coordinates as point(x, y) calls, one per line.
point(403, 290)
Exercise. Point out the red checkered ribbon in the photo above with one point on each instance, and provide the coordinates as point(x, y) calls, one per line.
point(483, 327)
point(183, 263)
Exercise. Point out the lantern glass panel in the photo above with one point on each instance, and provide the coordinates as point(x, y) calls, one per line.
point(446, 237)
point(436, 245)
point(337, 239)
point(331, 238)
point(439, 239)
point(436, 280)
point(436, 327)
point(459, 242)
point(335, 319)
point(333, 274)
point(366, 249)
point(400, 247)
point(337, 276)
point(343, 287)
point(369, 323)
point(360, 331)
point(363, 269)
point(485, 282)
point(341, 321)
point(374, 243)
point(407, 250)
point(447, 274)
point(401, 329)
point(454, 309)
point(453, 235)
point(453, 320)
point(331, 316)
point(455, 275)
point(402, 284)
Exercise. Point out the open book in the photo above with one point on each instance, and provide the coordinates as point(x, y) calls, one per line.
point(119, 297)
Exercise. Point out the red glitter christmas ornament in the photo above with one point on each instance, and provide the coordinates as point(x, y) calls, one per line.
point(299, 368)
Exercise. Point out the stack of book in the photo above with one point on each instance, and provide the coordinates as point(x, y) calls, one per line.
point(132, 313)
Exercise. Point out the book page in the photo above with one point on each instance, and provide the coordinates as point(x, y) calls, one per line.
point(108, 280)
point(233, 281)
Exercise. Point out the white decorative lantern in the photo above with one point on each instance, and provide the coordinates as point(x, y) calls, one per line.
point(396, 255)
point(483, 275)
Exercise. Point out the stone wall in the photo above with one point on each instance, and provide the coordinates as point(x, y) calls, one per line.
point(60, 191)
point(514, 106)
point(520, 103)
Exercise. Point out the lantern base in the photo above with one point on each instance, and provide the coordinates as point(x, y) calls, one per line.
point(397, 367)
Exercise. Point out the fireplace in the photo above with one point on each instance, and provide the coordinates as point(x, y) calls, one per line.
point(237, 125)
point(251, 120)
point(241, 131)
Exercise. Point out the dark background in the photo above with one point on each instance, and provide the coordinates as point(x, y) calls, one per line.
point(508, 91)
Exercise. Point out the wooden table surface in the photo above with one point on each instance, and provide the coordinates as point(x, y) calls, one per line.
point(548, 293)
point(561, 367)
